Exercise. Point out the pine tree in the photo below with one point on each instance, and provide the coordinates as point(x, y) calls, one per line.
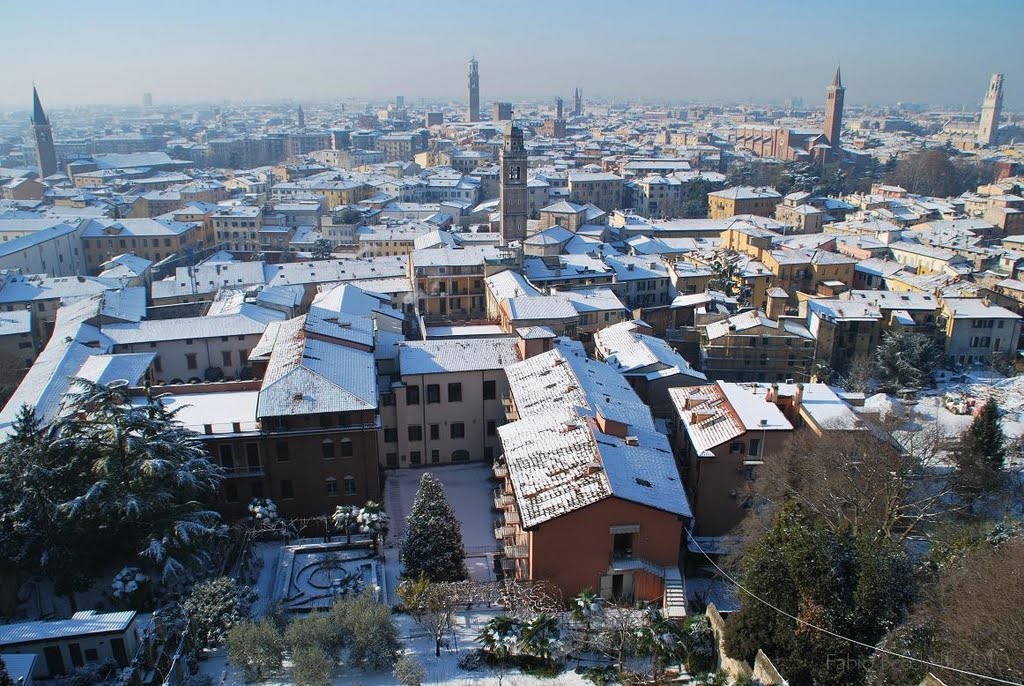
point(214, 606)
point(433, 545)
point(982, 452)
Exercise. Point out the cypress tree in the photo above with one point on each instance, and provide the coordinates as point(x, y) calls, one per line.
point(433, 545)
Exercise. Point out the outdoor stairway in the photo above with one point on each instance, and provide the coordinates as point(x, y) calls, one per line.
point(674, 603)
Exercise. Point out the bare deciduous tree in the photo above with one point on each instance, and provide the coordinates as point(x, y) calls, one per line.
point(886, 479)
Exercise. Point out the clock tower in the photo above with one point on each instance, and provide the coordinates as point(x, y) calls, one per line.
point(513, 192)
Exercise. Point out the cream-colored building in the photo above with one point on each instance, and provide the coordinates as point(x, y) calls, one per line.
point(445, 404)
point(729, 202)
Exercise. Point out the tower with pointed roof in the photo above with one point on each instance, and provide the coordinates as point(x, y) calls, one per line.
point(46, 156)
point(577, 103)
point(301, 118)
point(834, 112)
point(474, 90)
point(512, 190)
point(990, 109)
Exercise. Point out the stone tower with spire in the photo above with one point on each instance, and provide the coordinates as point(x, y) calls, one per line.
point(577, 103)
point(301, 118)
point(834, 113)
point(474, 90)
point(988, 126)
point(512, 189)
point(46, 157)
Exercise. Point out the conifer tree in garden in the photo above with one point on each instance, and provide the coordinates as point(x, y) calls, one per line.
point(982, 452)
point(906, 361)
point(433, 545)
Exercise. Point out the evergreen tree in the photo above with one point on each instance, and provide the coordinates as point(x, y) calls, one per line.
point(906, 361)
point(35, 536)
point(142, 482)
point(433, 545)
point(213, 607)
point(409, 672)
point(5, 676)
point(856, 587)
point(321, 249)
point(982, 452)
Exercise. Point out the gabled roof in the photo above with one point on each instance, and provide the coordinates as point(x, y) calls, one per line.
point(715, 414)
point(81, 624)
point(557, 383)
point(559, 465)
point(309, 376)
point(631, 352)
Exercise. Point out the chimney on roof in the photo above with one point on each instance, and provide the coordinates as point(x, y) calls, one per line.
point(798, 397)
point(773, 393)
point(610, 426)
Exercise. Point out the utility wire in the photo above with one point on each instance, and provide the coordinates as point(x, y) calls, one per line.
point(840, 636)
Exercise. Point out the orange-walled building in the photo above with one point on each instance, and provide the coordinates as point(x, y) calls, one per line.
point(590, 496)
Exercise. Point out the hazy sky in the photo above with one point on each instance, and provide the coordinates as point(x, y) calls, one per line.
point(105, 51)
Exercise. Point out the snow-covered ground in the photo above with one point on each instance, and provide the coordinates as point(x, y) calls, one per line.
point(469, 490)
point(441, 671)
point(270, 554)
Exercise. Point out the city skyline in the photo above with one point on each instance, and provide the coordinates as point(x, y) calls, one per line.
point(676, 57)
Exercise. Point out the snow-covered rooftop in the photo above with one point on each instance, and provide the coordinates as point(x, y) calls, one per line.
point(561, 464)
point(456, 355)
point(309, 376)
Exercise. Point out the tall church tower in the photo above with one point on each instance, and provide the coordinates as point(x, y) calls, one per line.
point(993, 105)
point(301, 118)
point(512, 190)
point(577, 103)
point(834, 113)
point(474, 90)
point(46, 157)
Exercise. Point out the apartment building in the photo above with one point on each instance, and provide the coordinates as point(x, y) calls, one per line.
point(444, 405)
point(586, 477)
point(726, 431)
point(845, 331)
point(151, 239)
point(751, 347)
point(236, 227)
point(730, 202)
point(648, 363)
point(978, 332)
point(306, 435)
point(602, 189)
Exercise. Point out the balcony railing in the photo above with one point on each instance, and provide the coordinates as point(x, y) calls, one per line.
point(502, 500)
point(512, 517)
point(243, 472)
point(517, 551)
point(500, 470)
point(504, 532)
